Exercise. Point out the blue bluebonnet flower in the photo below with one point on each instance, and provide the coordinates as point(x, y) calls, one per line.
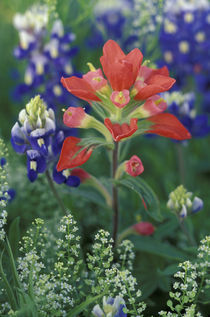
point(46, 60)
point(183, 107)
point(203, 86)
point(3, 161)
point(182, 202)
point(37, 136)
point(112, 307)
point(130, 23)
point(6, 194)
point(111, 21)
point(184, 37)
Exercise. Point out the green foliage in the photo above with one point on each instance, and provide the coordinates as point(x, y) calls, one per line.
point(146, 194)
point(59, 287)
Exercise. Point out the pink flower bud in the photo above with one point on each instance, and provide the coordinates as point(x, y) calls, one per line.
point(153, 106)
point(95, 79)
point(144, 228)
point(82, 174)
point(134, 166)
point(74, 117)
point(120, 98)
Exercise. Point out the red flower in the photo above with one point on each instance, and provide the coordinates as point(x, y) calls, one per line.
point(121, 131)
point(167, 125)
point(80, 88)
point(120, 98)
point(120, 69)
point(71, 154)
point(82, 174)
point(74, 117)
point(134, 166)
point(95, 79)
point(144, 228)
point(152, 81)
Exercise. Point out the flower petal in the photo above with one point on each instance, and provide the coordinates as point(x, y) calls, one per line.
point(121, 131)
point(155, 85)
point(135, 57)
point(121, 70)
point(71, 154)
point(167, 125)
point(80, 88)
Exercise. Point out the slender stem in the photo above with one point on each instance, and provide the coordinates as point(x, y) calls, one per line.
point(185, 231)
point(181, 163)
point(115, 194)
point(55, 193)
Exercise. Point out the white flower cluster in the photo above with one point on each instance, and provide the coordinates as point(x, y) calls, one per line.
point(193, 279)
point(110, 5)
point(125, 285)
point(100, 260)
point(3, 189)
point(147, 15)
point(126, 254)
point(31, 24)
point(175, 6)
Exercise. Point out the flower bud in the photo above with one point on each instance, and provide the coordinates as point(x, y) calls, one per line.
point(120, 98)
point(111, 307)
point(180, 202)
point(144, 228)
point(3, 161)
point(76, 117)
point(134, 166)
point(82, 174)
point(197, 205)
point(95, 78)
point(183, 212)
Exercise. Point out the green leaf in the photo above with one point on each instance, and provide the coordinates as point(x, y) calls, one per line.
point(13, 267)
point(145, 192)
point(9, 291)
point(166, 229)
point(164, 283)
point(169, 270)
point(94, 141)
point(14, 235)
point(163, 249)
point(78, 309)
point(170, 304)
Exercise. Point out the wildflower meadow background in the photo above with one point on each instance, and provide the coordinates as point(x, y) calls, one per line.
point(104, 158)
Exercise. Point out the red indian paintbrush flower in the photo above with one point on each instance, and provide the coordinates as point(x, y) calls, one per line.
point(134, 166)
point(82, 174)
point(144, 228)
point(72, 155)
point(127, 99)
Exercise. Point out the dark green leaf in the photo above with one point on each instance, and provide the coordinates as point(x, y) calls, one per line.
point(78, 309)
point(94, 141)
point(14, 235)
point(9, 291)
point(169, 270)
point(163, 249)
point(146, 194)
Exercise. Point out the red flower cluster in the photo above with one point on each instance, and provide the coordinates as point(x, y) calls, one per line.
point(128, 95)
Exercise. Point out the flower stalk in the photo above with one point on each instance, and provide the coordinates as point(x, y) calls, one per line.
point(55, 193)
point(115, 206)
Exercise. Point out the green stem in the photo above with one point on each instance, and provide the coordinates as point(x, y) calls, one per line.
point(115, 195)
point(185, 231)
point(100, 187)
point(55, 193)
point(181, 163)
point(124, 234)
